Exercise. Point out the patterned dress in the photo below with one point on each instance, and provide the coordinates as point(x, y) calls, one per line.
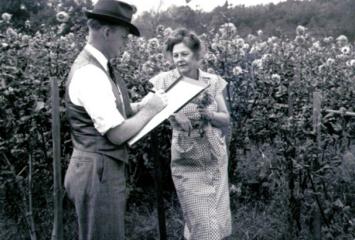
point(199, 167)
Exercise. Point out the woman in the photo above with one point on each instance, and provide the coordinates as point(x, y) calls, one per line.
point(198, 152)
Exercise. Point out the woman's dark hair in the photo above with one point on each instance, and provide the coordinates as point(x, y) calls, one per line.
point(182, 35)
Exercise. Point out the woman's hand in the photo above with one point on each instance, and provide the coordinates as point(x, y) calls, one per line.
point(206, 114)
point(181, 121)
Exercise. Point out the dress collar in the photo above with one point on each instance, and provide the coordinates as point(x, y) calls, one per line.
point(202, 75)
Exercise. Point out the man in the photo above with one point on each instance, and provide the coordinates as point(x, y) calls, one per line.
point(102, 120)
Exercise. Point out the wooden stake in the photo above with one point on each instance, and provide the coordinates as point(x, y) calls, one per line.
point(158, 184)
point(57, 233)
point(317, 117)
point(30, 205)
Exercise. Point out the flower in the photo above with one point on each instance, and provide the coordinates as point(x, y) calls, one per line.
point(218, 47)
point(235, 189)
point(246, 46)
point(25, 38)
point(126, 57)
point(62, 17)
point(239, 42)
point(141, 43)
point(27, 24)
point(153, 44)
point(316, 45)
point(160, 29)
point(214, 46)
point(330, 61)
point(77, 2)
point(328, 39)
point(260, 33)
point(276, 77)
point(342, 40)
point(300, 40)
point(72, 45)
point(148, 67)
point(253, 50)
point(242, 52)
point(257, 63)
point(212, 58)
point(251, 38)
point(11, 32)
point(275, 46)
point(237, 70)
point(61, 29)
point(258, 47)
point(202, 103)
point(300, 30)
point(345, 50)
point(23, 7)
point(167, 32)
point(167, 65)
point(271, 39)
point(351, 63)
point(227, 29)
point(321, 68)
point(6, 17)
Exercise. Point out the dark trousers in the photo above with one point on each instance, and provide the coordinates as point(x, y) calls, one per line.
point(97, 186)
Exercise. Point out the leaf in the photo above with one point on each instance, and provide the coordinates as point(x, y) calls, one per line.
point(25, 118)
point(336, 127)
point(338, 204)
point(39, 106)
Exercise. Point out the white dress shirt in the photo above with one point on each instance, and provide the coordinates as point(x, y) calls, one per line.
point(91, 88)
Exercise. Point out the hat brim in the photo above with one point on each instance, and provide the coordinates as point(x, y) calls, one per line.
point(114, 20)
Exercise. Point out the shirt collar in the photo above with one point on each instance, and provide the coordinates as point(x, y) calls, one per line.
point(100, 57)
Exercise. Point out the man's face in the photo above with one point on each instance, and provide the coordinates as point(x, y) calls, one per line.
point(117, 40)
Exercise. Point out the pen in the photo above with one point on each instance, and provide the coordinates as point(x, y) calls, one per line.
point(156, 91)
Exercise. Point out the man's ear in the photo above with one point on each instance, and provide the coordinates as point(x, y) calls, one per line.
point(106, 31)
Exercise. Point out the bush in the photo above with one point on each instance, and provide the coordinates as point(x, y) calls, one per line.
point(276, 157)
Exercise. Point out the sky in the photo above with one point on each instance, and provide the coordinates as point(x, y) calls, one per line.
point(205, 5)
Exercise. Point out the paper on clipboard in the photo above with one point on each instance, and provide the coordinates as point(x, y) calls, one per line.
point(178, 95)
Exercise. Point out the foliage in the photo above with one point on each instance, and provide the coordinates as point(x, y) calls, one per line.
point(277, 158)
point(323, 18)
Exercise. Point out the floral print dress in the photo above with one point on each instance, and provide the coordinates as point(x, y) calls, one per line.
point(199, 166)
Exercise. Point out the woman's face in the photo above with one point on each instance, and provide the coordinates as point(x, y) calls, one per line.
point(184, 59)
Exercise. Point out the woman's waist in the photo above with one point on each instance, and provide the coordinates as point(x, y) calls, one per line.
point(209, 131)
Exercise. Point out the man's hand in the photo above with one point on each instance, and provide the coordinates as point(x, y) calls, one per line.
point(155, 102)
point(131, 126)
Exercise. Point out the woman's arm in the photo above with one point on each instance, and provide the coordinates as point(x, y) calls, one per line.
point(221, 117)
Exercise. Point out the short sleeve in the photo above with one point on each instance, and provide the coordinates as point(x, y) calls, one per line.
point(220, 85)
point(158, 81)
point(91, 89)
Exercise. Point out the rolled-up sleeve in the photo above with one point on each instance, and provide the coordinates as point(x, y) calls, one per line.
point(91, 89)
point(221, 85)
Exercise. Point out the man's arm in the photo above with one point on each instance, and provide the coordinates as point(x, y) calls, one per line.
point(131, 126)
point(137, 106)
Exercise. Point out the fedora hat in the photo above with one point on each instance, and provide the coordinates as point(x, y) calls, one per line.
point(115, 12)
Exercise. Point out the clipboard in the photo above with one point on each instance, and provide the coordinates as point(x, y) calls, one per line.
point(179, 93)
